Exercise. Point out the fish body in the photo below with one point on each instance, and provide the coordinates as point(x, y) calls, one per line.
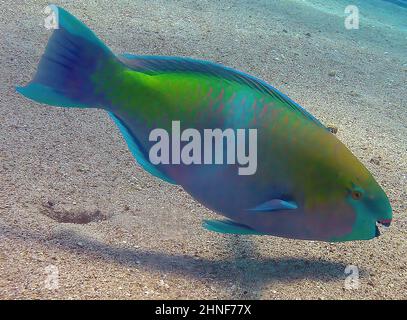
point(306, 184)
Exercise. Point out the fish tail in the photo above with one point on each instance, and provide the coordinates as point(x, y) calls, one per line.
point(71, 59)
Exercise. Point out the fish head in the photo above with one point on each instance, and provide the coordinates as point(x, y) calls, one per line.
point(348, 203)
point(370, 206)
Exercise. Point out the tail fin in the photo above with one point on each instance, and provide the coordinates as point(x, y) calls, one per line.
point(70, 59)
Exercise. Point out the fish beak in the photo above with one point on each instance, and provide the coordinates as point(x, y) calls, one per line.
point(382, 224)
point(386, 223)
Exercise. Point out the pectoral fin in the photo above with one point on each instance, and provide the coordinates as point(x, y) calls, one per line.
point(275, 205)
point(228, 227)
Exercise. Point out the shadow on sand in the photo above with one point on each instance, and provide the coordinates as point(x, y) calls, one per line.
point(249, 274)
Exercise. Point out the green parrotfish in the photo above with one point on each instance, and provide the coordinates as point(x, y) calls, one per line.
point(304, 184)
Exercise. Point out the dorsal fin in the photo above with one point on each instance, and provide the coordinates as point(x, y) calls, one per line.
point(158, 64)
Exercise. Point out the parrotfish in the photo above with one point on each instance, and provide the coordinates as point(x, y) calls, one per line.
point(306, 184)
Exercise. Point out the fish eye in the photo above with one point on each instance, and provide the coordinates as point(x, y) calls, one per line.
point(356, 195)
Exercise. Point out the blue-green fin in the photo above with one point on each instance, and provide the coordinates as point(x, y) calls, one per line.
point(64, 73)
point(137, 153)
point(275, 205)
point(48, 95)
point(228, 227)
point(157, 64)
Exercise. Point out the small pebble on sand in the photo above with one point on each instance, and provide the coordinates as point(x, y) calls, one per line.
point(376, 160)
point(332, 73)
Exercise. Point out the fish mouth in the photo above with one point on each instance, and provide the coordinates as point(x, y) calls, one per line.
point(386, 222)
point(382, 224)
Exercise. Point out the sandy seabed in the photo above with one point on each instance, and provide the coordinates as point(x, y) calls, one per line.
point(74, 205)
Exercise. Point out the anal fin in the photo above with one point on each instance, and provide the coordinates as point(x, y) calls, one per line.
point(137, 153)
